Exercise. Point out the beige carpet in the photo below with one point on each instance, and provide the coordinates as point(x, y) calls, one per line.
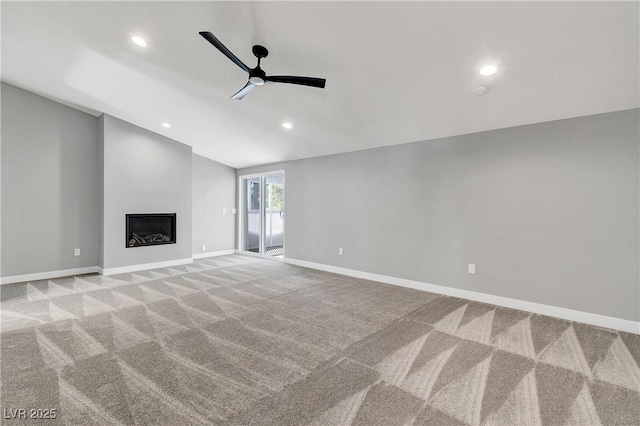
point(246, 341)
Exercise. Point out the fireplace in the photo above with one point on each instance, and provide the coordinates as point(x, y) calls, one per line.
point(150, 229)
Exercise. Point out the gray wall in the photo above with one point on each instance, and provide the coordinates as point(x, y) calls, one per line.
point(214, 189)
point(549, 213)
point(50, 202)
point(144, 172)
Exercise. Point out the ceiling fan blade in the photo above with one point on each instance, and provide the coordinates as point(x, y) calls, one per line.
point(304, 81)
point(243, 92)
point(221, 47)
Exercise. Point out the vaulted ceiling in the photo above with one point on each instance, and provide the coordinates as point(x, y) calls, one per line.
point(396, 72)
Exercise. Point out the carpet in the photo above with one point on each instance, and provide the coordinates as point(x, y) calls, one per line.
point(242, 340)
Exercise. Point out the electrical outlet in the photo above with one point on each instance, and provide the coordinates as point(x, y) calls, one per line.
point(234, 211)
point(472, 268)
point(340, 251)
point(204, 247)
point(76, 252)
point(224, 210)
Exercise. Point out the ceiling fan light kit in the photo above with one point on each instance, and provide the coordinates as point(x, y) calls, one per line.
point(257, 77)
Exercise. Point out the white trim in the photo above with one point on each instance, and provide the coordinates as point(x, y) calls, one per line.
point(145, 266)
point(48, 275)
point(255, 175)
point(109, 271)
point(538, 308)
point(213, 253)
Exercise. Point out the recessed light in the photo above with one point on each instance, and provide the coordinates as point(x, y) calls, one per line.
point(287, 125)
point(167, 125)
point(488, 69)
point(139, 41)
point(298, 155)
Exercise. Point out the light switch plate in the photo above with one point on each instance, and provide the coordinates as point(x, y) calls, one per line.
point(472, 268)
point(76, 252)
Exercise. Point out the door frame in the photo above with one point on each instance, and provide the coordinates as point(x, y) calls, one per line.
point(242, 205)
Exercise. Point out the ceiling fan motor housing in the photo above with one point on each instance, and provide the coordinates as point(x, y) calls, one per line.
point(257, 76)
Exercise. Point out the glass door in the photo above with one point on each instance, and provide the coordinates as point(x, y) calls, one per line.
point(274, 215)
point(262, 218)
point(252, 227)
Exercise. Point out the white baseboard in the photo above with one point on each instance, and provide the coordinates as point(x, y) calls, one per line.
point(144, 266)
point(538, 308)
point(109, 271)
point(213, 253)
point(48, 275)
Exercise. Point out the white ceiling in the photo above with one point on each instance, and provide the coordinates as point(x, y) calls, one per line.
point(396, 72)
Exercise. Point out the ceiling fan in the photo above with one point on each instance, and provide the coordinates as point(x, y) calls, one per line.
point(257, 77)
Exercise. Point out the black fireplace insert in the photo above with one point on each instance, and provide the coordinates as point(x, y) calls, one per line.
point(150, 229)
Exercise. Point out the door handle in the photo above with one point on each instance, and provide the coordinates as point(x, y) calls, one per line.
point(282, 214)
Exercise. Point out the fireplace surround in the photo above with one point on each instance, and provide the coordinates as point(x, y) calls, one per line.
point(150, 229)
